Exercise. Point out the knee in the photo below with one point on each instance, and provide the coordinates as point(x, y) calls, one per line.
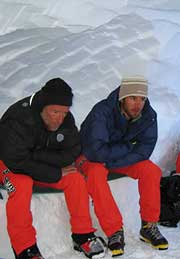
point(76, 177)
point(97, 171)
point(22, 183)
point(152, 170)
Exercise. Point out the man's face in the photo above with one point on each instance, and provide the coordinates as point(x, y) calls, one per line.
point(53, 116)
point(132, 106)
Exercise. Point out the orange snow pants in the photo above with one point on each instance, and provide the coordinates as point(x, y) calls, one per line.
point(148, 175)
point(19, 217)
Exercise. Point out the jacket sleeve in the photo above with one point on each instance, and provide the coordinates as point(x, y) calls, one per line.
point(142, 149)
point(96, 141)
point(69, 150)
point(16, 152)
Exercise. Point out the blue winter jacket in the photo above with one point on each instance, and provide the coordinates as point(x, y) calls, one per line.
point(107, 137)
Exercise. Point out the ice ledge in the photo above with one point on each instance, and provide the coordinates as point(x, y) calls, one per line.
point(51, 219)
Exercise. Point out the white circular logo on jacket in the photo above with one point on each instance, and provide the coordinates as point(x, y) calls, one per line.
point(60, 137)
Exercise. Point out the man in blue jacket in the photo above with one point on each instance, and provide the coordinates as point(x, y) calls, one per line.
point(119, 135)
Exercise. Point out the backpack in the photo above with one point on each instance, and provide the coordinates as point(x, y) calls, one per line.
point(170, 200)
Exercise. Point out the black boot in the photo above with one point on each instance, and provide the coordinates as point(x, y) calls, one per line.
point(29, 253)
point(116, 243)
point(150, 233)
point(89, 244)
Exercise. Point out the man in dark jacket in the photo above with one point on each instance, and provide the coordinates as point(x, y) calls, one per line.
point(39, 143)
point(119, 135)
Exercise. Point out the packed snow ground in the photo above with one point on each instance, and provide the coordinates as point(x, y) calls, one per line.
point(92, 44)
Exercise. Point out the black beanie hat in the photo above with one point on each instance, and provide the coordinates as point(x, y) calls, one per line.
point(55, 91)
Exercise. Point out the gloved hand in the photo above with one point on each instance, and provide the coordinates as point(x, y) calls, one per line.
point(3, 168)
point(79, 163)
point(3, 171)
point(68, 169)
point(1, 197)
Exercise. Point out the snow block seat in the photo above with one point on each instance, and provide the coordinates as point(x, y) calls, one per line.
point(40, 189)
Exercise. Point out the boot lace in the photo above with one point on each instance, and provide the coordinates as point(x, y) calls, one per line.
point(117, 237)
point(153, 229)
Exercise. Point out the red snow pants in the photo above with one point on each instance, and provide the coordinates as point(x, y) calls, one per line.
point(148, 175)
point(178, 164)
point(19, 217)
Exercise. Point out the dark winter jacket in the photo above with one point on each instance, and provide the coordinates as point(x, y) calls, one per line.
point(107, 137)
point(27, 147)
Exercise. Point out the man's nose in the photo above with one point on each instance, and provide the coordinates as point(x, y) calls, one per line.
point(60, 117)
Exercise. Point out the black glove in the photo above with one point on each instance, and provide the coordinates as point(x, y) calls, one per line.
point(1, 197)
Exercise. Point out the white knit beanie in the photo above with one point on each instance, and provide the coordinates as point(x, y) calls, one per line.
point(133, 86)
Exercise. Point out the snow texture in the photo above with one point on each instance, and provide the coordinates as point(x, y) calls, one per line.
point(92, 45)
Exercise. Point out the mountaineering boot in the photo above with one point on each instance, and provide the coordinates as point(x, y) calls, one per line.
point(93, 247)
point(150, 233)
point(116, 243)
point(29, 253)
